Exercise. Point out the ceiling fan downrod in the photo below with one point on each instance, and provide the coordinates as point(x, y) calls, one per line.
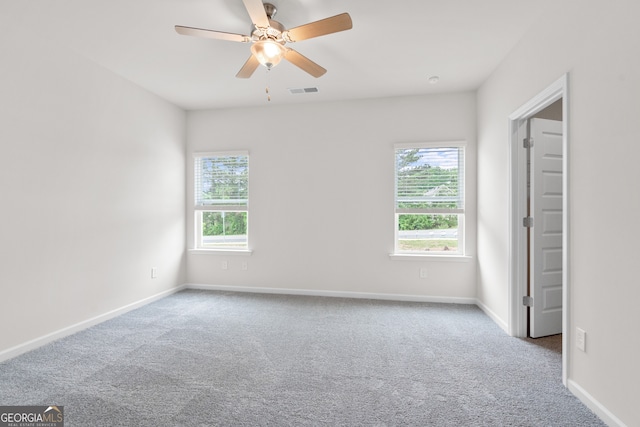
point(270, 10)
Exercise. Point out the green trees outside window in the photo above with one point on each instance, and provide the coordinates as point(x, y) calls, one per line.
point(224, 223)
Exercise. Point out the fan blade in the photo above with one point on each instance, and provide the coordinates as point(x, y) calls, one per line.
point(248, 68)
point(219, 35)
point(331, 25)
point(256, 13)
point(304, 63)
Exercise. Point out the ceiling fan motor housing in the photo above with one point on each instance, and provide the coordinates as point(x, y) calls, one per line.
point(275, 29)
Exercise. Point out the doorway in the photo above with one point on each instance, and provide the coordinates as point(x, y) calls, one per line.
point(554, 97)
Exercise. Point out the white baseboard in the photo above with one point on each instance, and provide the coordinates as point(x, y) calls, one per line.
point(595, 406)
point(56, 335)
point(336, 294)
point(493, 316)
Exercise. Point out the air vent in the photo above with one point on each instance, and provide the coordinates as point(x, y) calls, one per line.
point(295, 91)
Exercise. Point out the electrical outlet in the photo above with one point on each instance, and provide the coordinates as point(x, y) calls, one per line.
point(581, 339)
point(424, 273)
point(245, 266)
point(225, 265)
point(154, 272)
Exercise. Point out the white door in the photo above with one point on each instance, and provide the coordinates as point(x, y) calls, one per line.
point(545, 238)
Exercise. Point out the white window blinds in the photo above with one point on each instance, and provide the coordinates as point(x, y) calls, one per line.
point(429, 179)
point(222, 181)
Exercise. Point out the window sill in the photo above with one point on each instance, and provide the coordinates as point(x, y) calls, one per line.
point(431, 257)
point(240, 252)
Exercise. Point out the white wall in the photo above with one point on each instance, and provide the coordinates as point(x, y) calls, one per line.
point(599, 45)
point(321, 194)
point(92, 191)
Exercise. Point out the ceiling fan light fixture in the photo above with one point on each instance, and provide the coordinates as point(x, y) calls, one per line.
point(268, 52)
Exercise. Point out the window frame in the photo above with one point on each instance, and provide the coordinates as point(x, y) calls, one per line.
point(199, 209)
point(460, 211)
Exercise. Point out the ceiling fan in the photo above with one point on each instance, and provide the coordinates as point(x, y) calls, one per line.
point(268, 38)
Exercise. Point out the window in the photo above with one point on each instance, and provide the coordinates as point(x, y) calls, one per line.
point(429, 198)
point(221, 200)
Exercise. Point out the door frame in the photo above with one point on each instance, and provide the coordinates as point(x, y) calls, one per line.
point(517, 195)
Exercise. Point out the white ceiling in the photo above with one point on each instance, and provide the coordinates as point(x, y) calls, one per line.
point(392, 50)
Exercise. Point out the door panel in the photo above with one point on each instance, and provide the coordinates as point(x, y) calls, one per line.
point(545, 242)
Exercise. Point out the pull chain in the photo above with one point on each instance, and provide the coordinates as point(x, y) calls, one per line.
point(267, 88)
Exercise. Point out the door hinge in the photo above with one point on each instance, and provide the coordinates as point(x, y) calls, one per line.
point(527, 222)
point(527, 301)
point(527, 143)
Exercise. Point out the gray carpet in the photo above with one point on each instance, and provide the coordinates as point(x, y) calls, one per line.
point(201, 358)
